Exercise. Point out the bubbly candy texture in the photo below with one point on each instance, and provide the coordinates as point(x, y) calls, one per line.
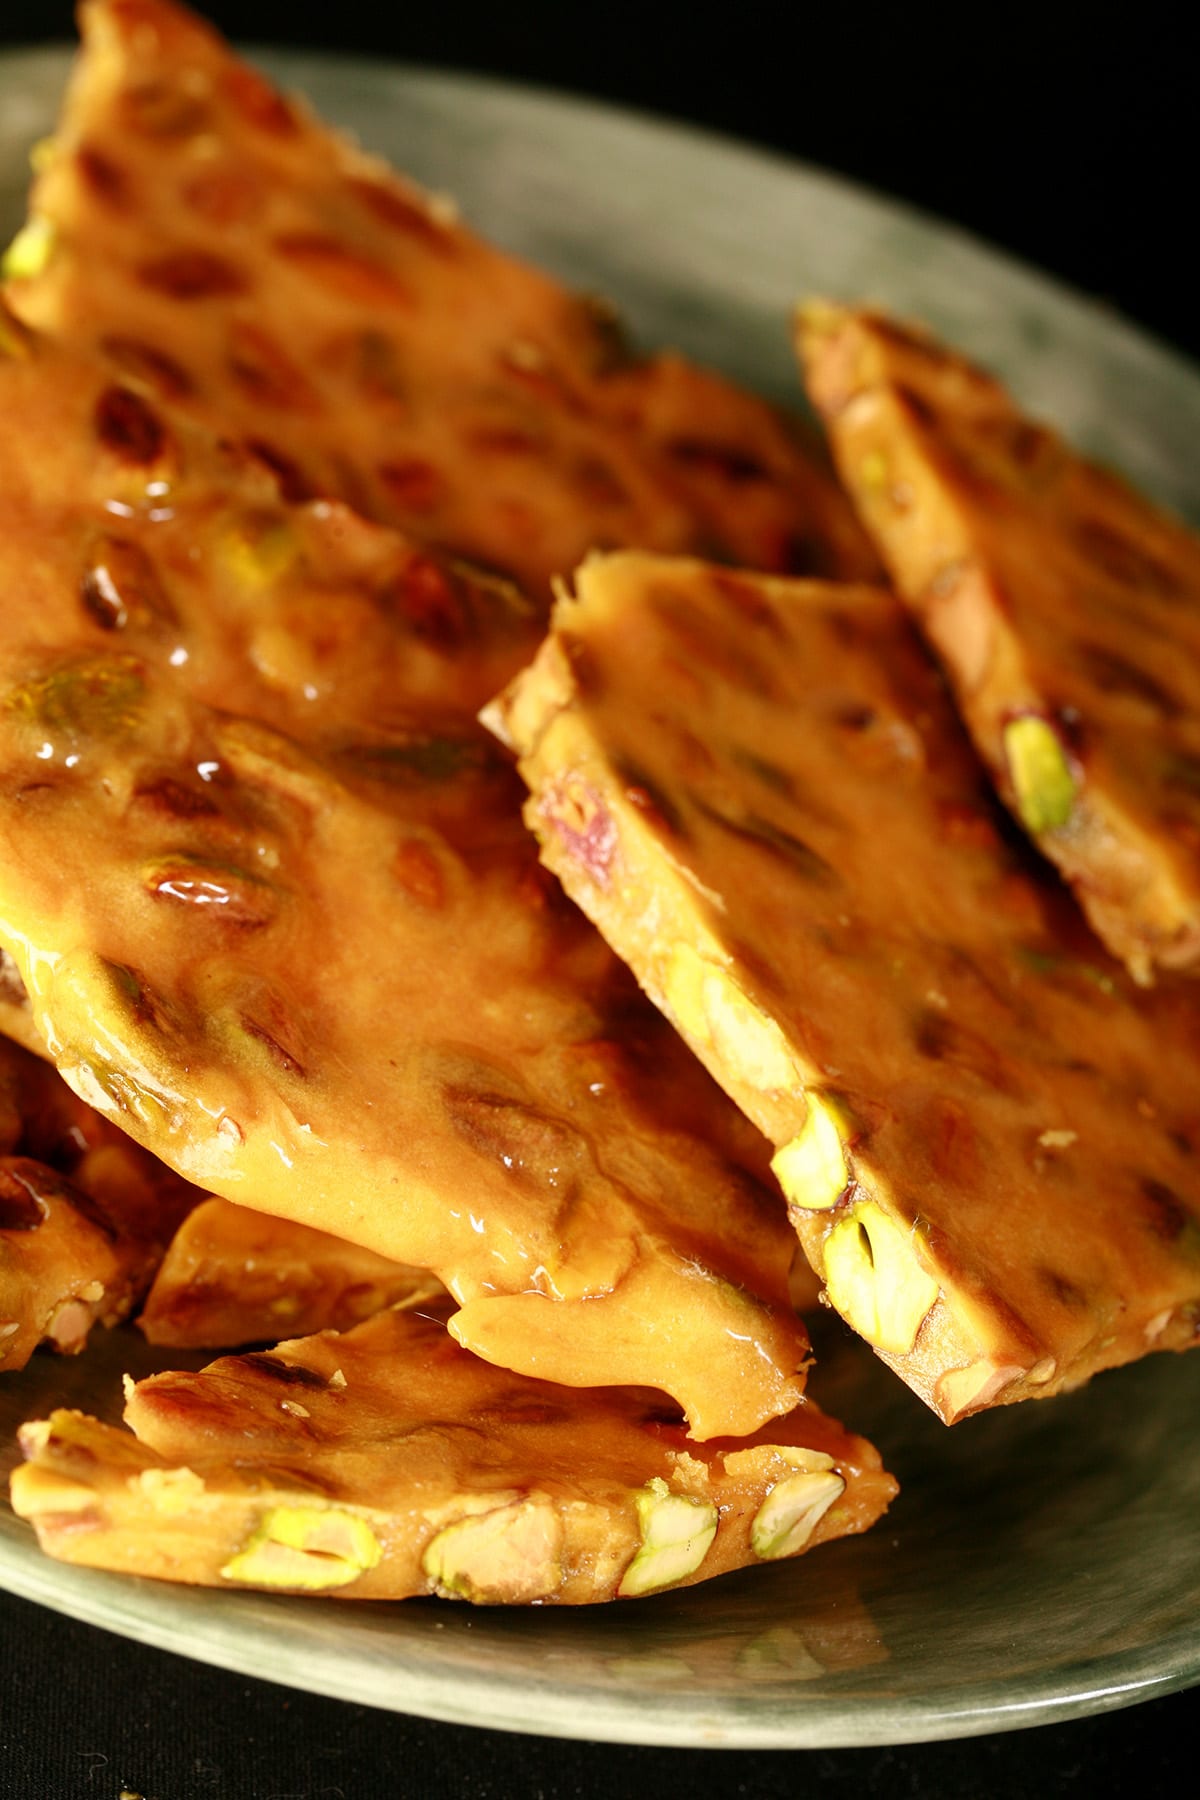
point(987, 1133)
point(388, 1462)
point(1065, 608)
point(266, 883)
point(209, 237)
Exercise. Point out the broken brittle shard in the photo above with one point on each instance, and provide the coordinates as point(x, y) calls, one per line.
point(233, 1276)
point(85, 1214)
point(207, 236)
point(265, 881)
point(426, 1471)
point(987, 1133)
point(1064, 606)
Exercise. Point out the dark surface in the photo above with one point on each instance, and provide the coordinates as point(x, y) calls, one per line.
point(167, 1729)
point(1065, 134)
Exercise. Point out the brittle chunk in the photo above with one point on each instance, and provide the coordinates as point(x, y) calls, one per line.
point(210, 238)
point(987, 1134)
point(388, 1462)
point(85, 1214)
point(233, 1276)
point(1065, 607)
point(265, 880)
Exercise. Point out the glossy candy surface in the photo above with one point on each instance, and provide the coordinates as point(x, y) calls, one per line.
point(85, 1214)
point(210, 238)
point(266, 883)
point(233, 1276)
point(1065, 607)
point(987, 1133)
point(388, 1462)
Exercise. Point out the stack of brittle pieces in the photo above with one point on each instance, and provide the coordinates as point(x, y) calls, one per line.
point(295, 472)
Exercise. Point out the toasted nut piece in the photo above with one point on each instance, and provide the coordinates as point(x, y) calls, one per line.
point(47, 1491)
point(812, 1168)
point(710, 1009)
point(751, 1044)
point(29, 251)
point(792, 1510)
point(963, 1391)
point(677, 1531)
point(307, 1547)
point(256, 557)
point(874, 1280)
point(508, 1555)
point(683, 991)
point(1043, 784)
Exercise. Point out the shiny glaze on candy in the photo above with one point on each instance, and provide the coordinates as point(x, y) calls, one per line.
point(209, 237)
point(267, 885)
point(387, 1462)
point(989, 1135)
point(1059, 601)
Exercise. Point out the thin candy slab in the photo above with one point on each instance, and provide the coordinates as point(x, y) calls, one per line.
point(265, 881)
point(85, 1215)
point(233, 1276)
point(207, 235)
point(388, 1462)
point(987, 1134)
point(1064, 606)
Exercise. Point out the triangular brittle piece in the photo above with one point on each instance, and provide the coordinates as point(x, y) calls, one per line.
point(232, 1276)
point(267, 886)
point(208, 236)
point(85, 1214)
point(388, 1462)
point(988, 1136)
point(1065, 607)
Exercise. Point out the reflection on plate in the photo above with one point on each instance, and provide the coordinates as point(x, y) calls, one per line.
point(1040, 1563)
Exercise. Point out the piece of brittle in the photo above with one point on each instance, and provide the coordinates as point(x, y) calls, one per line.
point(1064, 606)
point(266, 883)
point(986, 1132)
point(224, 250)
point(388, 1462)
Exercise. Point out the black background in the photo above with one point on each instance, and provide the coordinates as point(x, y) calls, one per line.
point(1064, 133)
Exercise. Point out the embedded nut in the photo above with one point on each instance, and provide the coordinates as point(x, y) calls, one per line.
point(683, 990)
point(509, 1555)
point(874, 1279)
point(971, 1389)
point(812, 1168)
point(791, 1512)
point(676, 1531)
point(29, 251)
point(308, 1547)
point(259, 557)
point(1043, 785)
point(37, 1491)
point(710, 1009)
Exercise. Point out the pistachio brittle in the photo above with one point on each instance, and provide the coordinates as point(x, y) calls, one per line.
point(389, 1462)
point(265, 880)
point(208, 236)
point(1065, 607)
point(986, 1132)
point(233, 1276)
point(85, 1214)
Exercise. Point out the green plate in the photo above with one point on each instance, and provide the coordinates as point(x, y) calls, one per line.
point(1042, 1562)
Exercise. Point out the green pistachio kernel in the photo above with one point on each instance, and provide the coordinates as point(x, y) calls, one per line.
point(1043, 783)
point(29, 251)
point(812, 1168)
point(677, 1531)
